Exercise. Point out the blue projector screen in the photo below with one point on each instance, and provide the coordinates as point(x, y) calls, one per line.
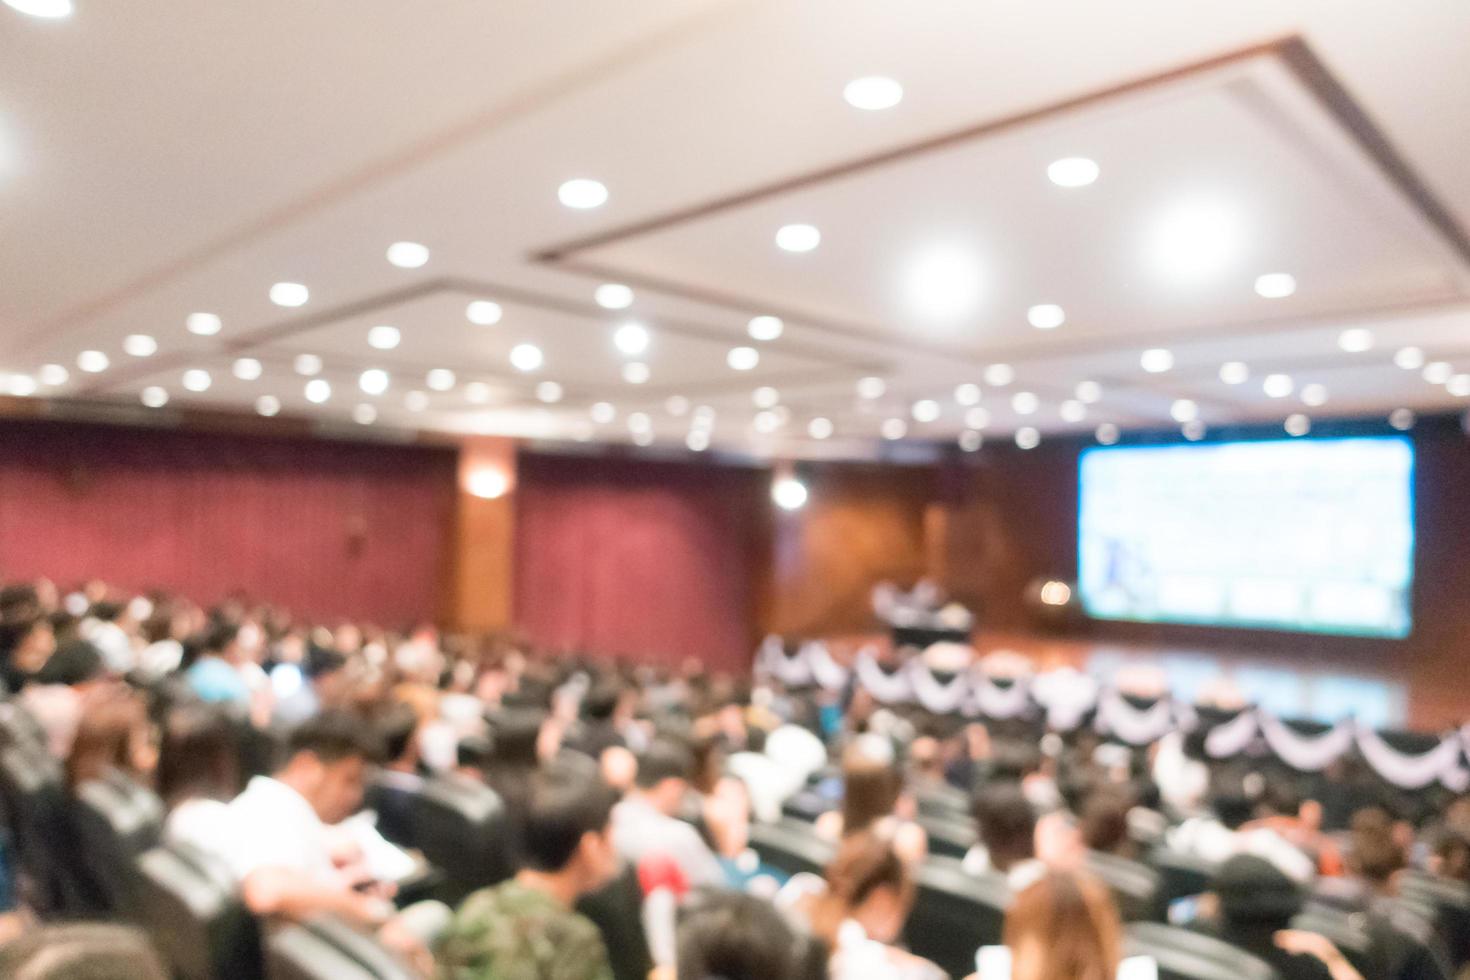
point(1314, 535)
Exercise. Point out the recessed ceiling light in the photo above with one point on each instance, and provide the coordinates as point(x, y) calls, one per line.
point(640, 422)
point(483, 312)
point(631, 338)
point(1088, 392)
point(1356, 340)
point(364, 414)
point(477, 393)
point(871, 388)
point(203, 324)
point(526, 357)
point(636, 373)
point(383, 337)
point(20, 385)
point(267, 405)
point(789, 493)
point(307, 365)
point(872, 93)
point(140, 345)
point(1024, 403)
point(1401, 419)
point(52, 375)
point(408, 255)
point(765, 397)
point(925, 410)
point(582, 193)
point(416, 401)
point(1409, 358)
point(697, 440)
point(603, 412)
point(1156, 360)
point(154, 397)
point(1275, 285)
point(48, 9)
point(977, 418)
point(318, 391)
point(743, 358)
point(1183, 410)
point(289, 294)
point(1072, 411)
point(798, 238)
point(943, 283)
point(819, 428)
point(92, 361)
point(1046, 316)
point(1107, 434)
point(971, 441)
point(1298, 425)
point(197, 380)
point(440, 379)
point(643, 438)
point(1234, 372)
point(1278, 385)
point(1314, 395)
point(1459, 386)
point(1072, 171)
point(765, 327)
point(246, 369)
point(1195, 241)
point(1438, 372)
point(613, 296)
point(374, 381)
point(999, 375)
point(967, 394)
point(1194, 430)
point(1027, 437)
point(894, 428)
point(549, 392)
point(677, 405)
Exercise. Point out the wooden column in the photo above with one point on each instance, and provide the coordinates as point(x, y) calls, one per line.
point(480, 593)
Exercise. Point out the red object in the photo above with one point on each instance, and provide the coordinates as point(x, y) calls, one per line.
point(657, 871)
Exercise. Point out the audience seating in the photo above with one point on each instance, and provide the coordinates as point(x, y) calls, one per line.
point(394, 807)
point(329, 949)
point(956, 913)
point(951, 836)
point(617, 911)
point(116, 820)
point(1135, 886)
point(460, 826)
point(807, 805)
point(791, 846)
point(1346, 933)
point(31, 783)
point(1451, 901)
point(943, 801)
point(191, 908)
point(1185, 955)
point(1180, 875)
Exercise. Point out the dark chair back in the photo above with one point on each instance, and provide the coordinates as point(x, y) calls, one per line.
point(956, 913)
point(807, 805)
point(617, 911)
point(1451, 901)
point(37, 812)
point(329, 949)
point(1346, 932)
point(460, 825)
point(791, 846)
point(116, 820)
point(1180, 874)
point(1185, 955)
point(395, 806)
point(191, 907)
point(1135, 886)
point(949, 836)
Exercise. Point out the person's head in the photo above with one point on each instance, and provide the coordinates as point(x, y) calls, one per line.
point(26, 643)
point(75, 664)
point(1374, 855)
point(516, 735)
point(1064, 927)
point(113, 734)
point(568, 825)
point(396, 726)
point(601, 702)
point(222, 639)
point(1005, 822)
point(326, 669)
point(926, 758)
point(1231, 801)
point(81, 951)
point(735, 936)
point(199, 755)
point(664, 771)
point(867, 882)
point(1254, 894)
point(1104, 822)
point(327, 761)
point(870, 790)
point(1451, 854)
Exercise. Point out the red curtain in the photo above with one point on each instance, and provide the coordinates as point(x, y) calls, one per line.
point(655, 561)
point(326, 529)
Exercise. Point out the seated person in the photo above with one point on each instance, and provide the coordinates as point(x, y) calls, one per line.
point(1006, 825)
point(872, 795)
point(215, 675)
point(25, 644)
point(113, 736)
point(1103, 822)
point(526, 927)
point(199, 774)
point(734, 936)
point(57, 695)
point(1224, 832)
point(644, 823)
point(1064, 927)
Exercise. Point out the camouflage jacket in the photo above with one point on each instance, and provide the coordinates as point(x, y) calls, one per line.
point(511, 932)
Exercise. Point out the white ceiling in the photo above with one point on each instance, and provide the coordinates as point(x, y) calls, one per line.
point(180, 157)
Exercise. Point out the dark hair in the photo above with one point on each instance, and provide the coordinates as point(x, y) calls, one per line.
point(396, 726)
point(199, 757)
point(81, 951)
point(320, 661)
point(15, 631)
point(219, 635)
point(664, 759)
point(735, 936)
point(602, 701)
point(515, 732)
point(333, 736)
point(1104, 821)
point(1005, 822)
point(473, 752)
point(74, 662)
point(1373, 854)
point(567, 800)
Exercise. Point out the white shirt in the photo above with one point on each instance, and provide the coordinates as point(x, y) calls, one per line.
point(639, 830)
point(273, 826)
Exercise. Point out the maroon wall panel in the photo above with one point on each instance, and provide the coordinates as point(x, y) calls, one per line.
point(325, 528)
